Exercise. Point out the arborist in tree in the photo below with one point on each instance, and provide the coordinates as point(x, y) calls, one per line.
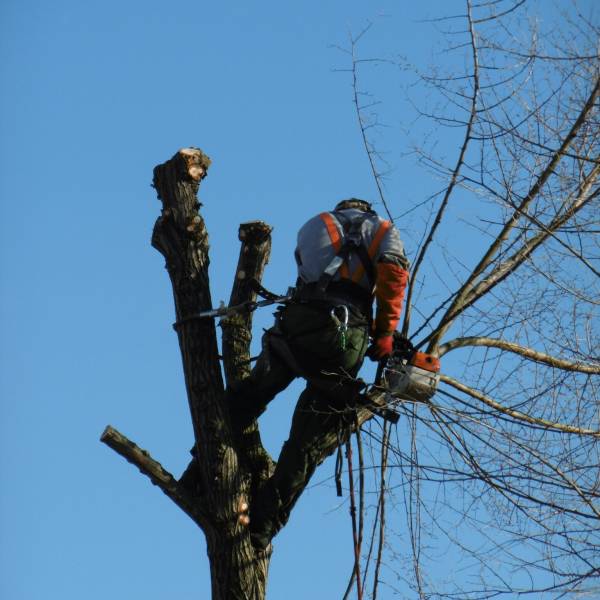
point(345, 258)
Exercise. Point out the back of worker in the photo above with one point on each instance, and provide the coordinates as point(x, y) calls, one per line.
point(315, 250)
point(376, 268)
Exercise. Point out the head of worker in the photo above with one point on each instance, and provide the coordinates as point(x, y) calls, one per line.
point(355, 203)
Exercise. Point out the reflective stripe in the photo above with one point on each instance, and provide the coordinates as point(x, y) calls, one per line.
point(336, 239)
point(332, 230)
point(377, 238)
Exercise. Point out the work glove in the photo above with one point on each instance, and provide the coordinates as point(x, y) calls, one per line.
point(381, 347)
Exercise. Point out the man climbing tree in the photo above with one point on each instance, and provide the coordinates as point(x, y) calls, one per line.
point(321, 334)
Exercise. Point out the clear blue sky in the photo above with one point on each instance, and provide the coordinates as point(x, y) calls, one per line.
point(94, 95)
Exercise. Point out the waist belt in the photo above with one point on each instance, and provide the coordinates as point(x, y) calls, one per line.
point(337, 292)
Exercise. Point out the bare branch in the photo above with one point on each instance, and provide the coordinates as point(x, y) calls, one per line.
point(540, 357)
point(466, 294)
point(361, 123)
point(453, 177)
point(515, 414)
point(155, 472)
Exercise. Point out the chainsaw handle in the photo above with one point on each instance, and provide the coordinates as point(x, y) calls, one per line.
point(403, 346)
point(380, 367)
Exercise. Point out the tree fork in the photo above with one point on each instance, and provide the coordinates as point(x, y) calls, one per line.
point(237, 571)
point(255, 238)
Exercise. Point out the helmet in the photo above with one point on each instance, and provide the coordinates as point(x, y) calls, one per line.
point(354, 203)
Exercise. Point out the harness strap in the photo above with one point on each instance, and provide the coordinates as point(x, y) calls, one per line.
point(332, 230)
point(351, 242)
point(262, 291)
point(338, 465)
point(354, 242)
point(336, 242)
point(374, 246)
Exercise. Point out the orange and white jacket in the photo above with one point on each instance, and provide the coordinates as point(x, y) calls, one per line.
point(320, 239)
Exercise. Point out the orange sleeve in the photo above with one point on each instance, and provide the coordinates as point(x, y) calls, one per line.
point(391, 281)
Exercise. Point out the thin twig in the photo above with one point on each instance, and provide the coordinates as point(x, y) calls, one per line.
point(381, 506)
point(353, 519)
point(453, 178)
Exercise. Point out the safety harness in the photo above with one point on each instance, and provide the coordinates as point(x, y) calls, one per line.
point(346, 237)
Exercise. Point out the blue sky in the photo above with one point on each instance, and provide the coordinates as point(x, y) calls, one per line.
point(94, 95)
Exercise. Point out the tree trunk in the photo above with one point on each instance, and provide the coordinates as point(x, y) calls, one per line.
point(237, 571)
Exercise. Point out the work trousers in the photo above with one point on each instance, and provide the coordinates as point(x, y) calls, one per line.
point(308, 342)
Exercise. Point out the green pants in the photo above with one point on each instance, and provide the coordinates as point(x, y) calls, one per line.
point(306, 341)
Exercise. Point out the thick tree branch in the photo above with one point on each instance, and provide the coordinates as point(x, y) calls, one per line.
point(237, 335)
point(155, 472)
point(237, 572)
point(237, 328)
point(180, 235)
point(529, 353)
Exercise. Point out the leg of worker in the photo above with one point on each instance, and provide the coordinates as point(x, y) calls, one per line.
point(249, 398)
point(327, 415)
point(315, 420)
point(318, 415)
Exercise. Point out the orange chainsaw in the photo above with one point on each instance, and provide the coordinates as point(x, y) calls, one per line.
point(409, 374)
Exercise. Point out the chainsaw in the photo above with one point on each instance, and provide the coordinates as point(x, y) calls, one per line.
point(408, 374)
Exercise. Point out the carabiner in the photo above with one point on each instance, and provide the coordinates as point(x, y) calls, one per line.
point(342, 325)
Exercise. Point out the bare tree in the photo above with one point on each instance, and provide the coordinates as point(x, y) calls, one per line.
point(502, 466)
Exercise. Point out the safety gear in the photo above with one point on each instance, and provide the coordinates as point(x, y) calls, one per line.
point(354, 203)
point(362, 239)
point(390, 285)
point(341, 324)
point(346, 238)
point(342, 291)
point(381, 347)
point(322, 335)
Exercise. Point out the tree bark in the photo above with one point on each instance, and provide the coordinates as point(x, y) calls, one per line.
point(237, 335)
point(237, 573)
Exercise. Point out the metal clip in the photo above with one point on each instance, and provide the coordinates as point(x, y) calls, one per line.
point(341, 324)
